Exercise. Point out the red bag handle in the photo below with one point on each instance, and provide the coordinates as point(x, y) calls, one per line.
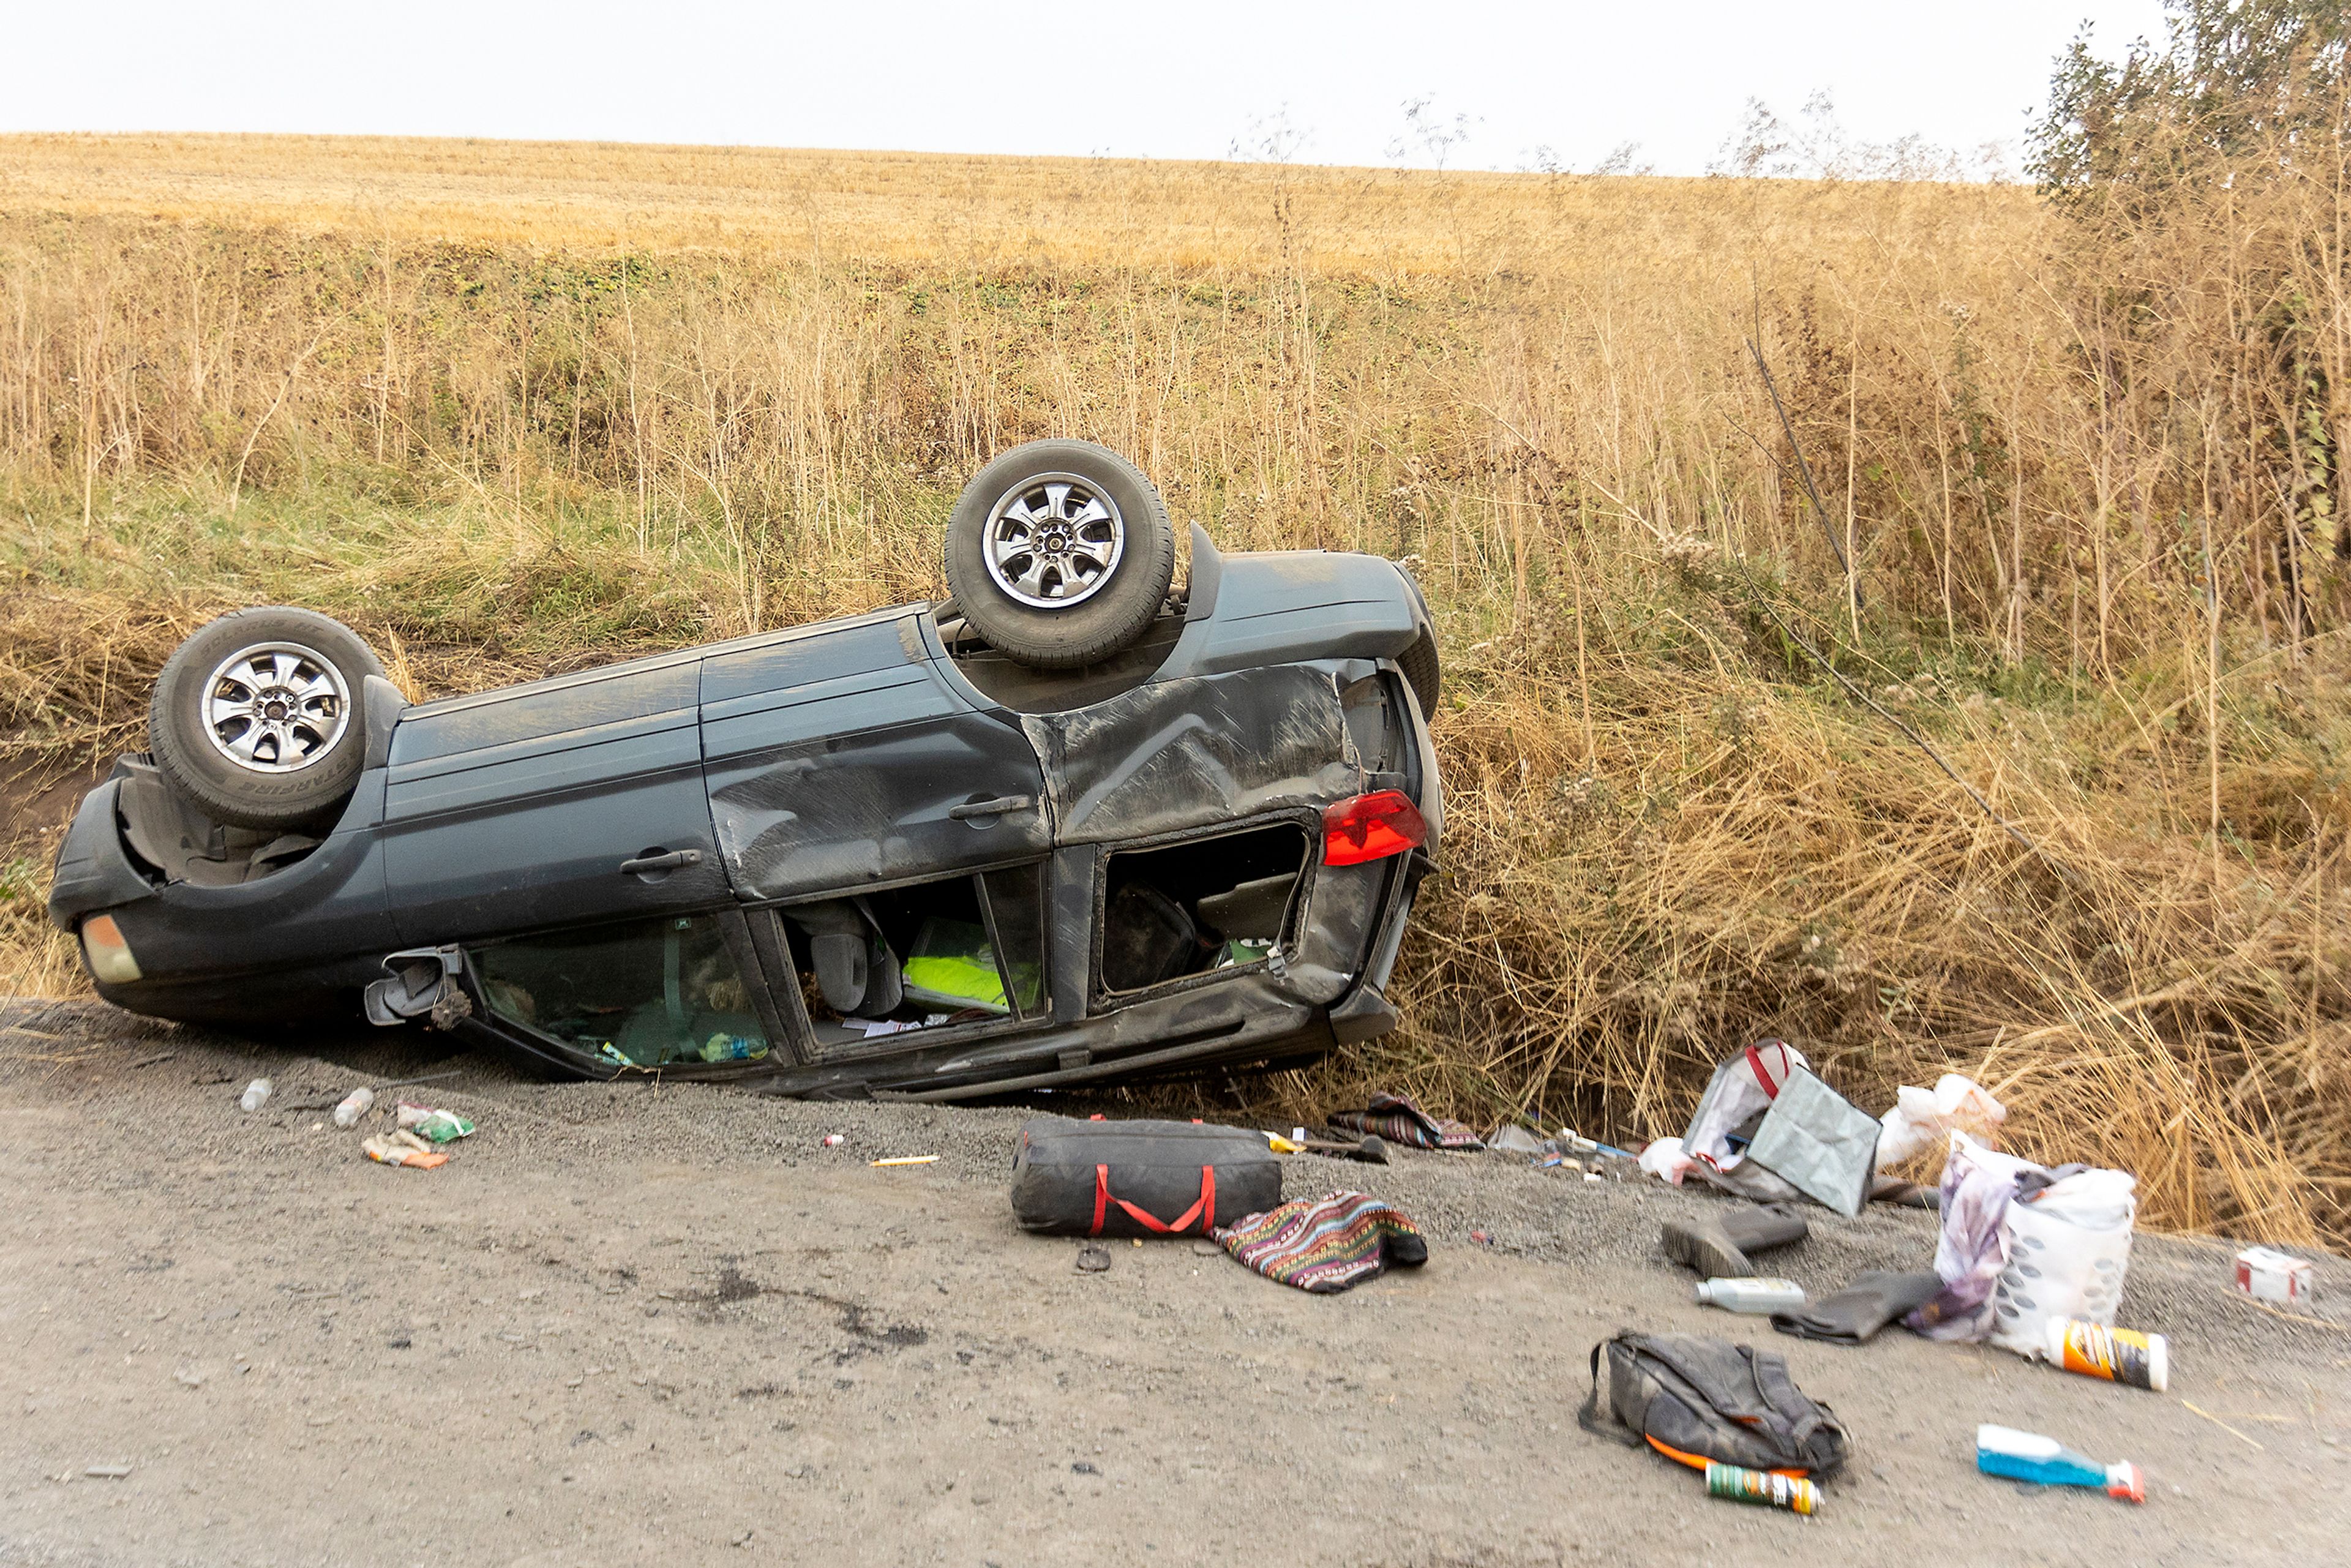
point(1755, 1063)
point(1204, 1210)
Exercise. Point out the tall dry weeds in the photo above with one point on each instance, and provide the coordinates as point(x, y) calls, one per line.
point(662, 395)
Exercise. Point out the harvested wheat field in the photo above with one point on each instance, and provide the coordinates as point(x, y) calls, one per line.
point(2029, 475)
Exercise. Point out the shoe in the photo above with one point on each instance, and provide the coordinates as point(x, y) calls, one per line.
point(1717, 1249)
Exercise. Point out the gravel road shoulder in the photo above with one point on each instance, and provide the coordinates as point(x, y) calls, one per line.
point(636, 1324)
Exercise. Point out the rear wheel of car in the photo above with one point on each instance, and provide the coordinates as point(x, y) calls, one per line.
point(259, 718)
point(1059, 554)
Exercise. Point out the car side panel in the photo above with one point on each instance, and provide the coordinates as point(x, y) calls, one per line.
point(835, 760)
point(515, 812)
point(1195, 751)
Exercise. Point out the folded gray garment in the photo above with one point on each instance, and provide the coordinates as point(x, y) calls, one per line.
point(1862, 1308)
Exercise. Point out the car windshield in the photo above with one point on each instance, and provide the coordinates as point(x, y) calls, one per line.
point(647, 993)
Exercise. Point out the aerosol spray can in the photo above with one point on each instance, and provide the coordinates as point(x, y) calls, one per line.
point(1762, 1487)
point(2118, 1355)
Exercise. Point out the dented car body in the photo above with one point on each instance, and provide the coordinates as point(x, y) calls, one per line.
point(868, 855)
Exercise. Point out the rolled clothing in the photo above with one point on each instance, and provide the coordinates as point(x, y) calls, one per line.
point(1399, 1120)
point(1854, 1314)
point(1326, 1245)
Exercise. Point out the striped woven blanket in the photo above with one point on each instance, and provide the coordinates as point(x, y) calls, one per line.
point(1325, 1244)
point(1395, 1118)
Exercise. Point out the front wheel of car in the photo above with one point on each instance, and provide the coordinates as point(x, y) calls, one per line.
point(1059, 554)
point(259, 718)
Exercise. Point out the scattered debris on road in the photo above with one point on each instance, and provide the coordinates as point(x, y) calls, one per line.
point(387, 1149)
point(1138, 1179)
point(2029, 1457)
point(1399, 1120)
point(431, 1123)
point(2268, 1275)
point(1697, 1401)
point(1852, 1316)
point(1329, 1244)
point(2117, 1355)
point(1765, 1487)
point(1762, 1298)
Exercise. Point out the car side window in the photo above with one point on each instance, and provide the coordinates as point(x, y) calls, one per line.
point(1219, 903)
point(953, 951)
point(640, 993)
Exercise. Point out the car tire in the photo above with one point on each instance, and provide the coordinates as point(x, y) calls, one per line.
point(1059, 554)
point(259, 718)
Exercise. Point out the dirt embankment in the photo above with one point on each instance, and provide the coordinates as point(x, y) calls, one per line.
point(625, 1324)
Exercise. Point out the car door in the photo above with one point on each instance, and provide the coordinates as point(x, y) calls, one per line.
point(839, 758)
point(567, 801)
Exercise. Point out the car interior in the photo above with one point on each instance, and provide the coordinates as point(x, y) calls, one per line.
point(955, 950)
point(640, 993)
point(1217, 902)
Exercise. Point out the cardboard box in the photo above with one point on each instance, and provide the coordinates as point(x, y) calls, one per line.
point(2272, 1275)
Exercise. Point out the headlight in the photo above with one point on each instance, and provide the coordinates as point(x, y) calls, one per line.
point(109, 955)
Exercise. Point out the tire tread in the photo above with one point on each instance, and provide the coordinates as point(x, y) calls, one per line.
point(259, 801)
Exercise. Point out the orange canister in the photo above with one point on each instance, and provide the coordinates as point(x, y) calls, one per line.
point(2118, 1355)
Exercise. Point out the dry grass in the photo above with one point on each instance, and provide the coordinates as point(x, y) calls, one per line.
point(514, 408)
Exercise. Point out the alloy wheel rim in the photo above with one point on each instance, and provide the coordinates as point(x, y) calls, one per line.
point(1053, 541)
point(275, 707)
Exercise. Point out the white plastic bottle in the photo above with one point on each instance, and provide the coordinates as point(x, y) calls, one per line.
point(355, 1105)
point(1752, 1295)
point(257, 1094)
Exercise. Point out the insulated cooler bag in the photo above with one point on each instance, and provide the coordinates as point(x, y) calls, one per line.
point(1139, 1178)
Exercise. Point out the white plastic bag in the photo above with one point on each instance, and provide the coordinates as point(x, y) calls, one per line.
point(1923, 1119)
point(2068, 1250)
point(1663, 1159)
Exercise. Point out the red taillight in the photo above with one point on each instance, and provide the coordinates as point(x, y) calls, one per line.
point(1371, 827)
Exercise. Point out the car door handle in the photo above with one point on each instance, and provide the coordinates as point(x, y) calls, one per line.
point(670, 860)
point(996, 807)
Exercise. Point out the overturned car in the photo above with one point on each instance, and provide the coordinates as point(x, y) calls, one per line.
point(1065, 826)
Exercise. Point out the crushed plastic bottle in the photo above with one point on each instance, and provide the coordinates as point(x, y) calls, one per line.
point(2029, 1457)
point(1758, 1296)
point(257, 1094)
point(724, 1046)
point(355, 1105)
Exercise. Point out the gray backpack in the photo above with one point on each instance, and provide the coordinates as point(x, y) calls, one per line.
point(1695, 1399)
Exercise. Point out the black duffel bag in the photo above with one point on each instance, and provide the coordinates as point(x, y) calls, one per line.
point(1139, 1178)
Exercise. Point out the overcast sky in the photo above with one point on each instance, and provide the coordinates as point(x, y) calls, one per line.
point(1136, 79)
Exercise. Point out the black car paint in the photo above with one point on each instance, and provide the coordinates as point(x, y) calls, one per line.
point(844, 756)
